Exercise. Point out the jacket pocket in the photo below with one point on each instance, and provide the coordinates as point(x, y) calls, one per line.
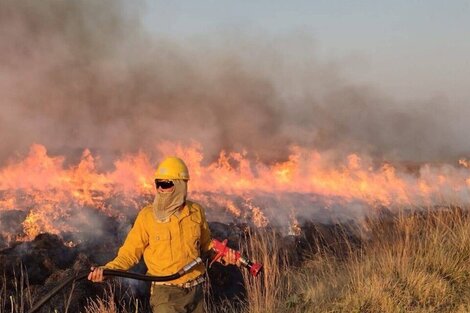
point(161, 244)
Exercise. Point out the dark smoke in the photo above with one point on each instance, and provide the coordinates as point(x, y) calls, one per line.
point(85, 74)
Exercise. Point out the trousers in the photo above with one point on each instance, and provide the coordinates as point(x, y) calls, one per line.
point(174, 299)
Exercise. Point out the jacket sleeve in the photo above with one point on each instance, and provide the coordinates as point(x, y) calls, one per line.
point(206, 238)
point(133, 248)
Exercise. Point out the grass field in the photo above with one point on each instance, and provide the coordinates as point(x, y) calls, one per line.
point(414, 263)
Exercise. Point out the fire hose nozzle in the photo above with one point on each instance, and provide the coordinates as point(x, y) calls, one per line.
point(254, 268)
point(221, 250)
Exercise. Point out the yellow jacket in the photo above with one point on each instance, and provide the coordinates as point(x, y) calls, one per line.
point(166, 246)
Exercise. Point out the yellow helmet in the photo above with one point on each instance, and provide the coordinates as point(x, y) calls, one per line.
point(172, 168)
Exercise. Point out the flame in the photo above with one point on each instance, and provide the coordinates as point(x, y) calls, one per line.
point(464, 163)
point(52, 193)
point(294, 225)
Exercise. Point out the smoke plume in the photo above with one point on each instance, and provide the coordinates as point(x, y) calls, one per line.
point(86, 74)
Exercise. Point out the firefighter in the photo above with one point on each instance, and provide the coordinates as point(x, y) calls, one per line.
point(168, 233)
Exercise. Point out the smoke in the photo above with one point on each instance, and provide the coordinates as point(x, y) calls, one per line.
point(86, 74)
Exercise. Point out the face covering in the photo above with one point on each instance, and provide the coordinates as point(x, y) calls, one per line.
point(166, 204)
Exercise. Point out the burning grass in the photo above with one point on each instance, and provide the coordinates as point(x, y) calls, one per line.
point(41, 192)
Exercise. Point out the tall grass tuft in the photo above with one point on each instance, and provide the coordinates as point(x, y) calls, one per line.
point(267, 292)
point(116, 299)
point(15, 294)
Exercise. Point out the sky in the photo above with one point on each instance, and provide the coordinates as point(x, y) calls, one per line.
point(406, 48)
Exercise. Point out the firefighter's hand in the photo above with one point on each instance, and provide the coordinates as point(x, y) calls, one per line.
point(96, 274)
point(230, 258)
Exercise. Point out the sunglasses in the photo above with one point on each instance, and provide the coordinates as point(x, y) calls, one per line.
point(164, 184)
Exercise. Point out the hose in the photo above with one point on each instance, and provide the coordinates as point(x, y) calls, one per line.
point(116, 273)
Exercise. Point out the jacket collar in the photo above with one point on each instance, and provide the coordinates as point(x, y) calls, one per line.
point(184, 212)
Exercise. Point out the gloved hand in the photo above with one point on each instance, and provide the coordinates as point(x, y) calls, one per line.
point(96, 274)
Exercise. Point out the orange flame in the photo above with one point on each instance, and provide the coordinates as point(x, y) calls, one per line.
point(50, 192)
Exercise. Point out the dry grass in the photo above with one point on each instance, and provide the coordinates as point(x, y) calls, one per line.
point(417, 263)
point(116, 298)
point(267, 292)
point(413, 263)
point(105, 304)
point(15, 296)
